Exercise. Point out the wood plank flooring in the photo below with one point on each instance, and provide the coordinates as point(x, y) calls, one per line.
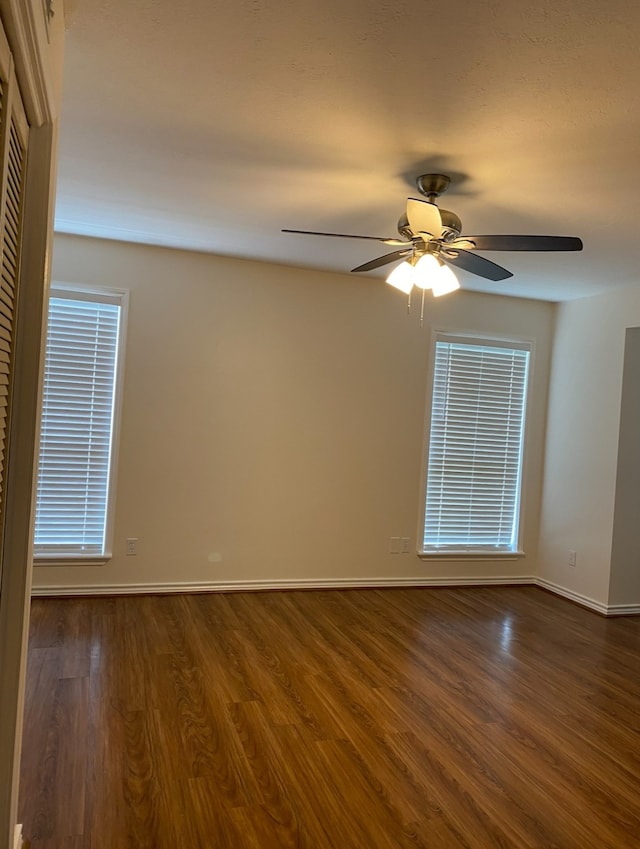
point(497, 718)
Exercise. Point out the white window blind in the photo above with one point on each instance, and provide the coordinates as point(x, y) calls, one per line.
point(475, 446)
point(77, 429)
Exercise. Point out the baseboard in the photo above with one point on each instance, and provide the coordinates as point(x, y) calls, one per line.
point(331, 584)
point(578, 598)
point(17, 837)
point(281, 584)
point(623, 610)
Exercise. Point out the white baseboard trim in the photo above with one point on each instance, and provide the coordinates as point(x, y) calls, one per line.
point(17, 837)
point(583, 600)
point(623, 610)
point(330, 584)
point(281, 584)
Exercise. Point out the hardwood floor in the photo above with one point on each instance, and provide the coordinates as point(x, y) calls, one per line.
point(378, 719)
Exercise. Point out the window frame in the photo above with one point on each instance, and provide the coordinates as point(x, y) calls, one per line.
point(99, 294)
point(479, 338)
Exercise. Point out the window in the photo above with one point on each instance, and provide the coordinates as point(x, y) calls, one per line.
point(83, 363)
point(474, 468)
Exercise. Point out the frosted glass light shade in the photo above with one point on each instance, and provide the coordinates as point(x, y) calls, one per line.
point(402, 277)
point(444, 282)
point(426, 271)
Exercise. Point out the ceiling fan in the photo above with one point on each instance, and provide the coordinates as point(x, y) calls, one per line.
point(431, 241)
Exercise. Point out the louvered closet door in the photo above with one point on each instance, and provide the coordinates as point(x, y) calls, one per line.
point(13, 154)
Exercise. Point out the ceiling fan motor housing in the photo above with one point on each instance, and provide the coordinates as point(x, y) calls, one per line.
point(451, 225)
point(404, 229)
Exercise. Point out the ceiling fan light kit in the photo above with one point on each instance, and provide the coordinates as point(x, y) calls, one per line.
point(425, 272)
point(445, 283)
point(431, 242)
point(402, 277)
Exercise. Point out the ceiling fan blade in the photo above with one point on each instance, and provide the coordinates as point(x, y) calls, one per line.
point(424, 217)
point(476, 264)
point(526, 243)
point(349, 236)
point(383, 260)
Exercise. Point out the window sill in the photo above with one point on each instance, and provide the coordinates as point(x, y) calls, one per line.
point(71, 560)
point(470, 555)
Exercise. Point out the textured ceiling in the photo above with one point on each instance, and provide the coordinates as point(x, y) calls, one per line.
point(213, 125)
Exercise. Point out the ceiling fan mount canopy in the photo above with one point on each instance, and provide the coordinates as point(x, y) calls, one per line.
point(427, 229)
point(433, 185)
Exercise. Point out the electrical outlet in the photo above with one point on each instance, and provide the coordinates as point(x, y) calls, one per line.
point(132, 546)
point(394, 545)
point(406, 545)
point(572, 557)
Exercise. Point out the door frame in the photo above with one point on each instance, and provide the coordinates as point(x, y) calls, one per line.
point(36, 40)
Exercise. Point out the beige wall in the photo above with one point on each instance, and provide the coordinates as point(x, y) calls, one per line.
point(272, 424)
point(584, 454)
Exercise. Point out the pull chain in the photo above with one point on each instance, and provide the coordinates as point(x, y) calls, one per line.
point(422, 310)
